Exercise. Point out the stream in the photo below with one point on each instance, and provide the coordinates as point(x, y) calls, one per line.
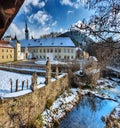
point(90, 110)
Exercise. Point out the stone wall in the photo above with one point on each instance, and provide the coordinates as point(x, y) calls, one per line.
point(15, 112)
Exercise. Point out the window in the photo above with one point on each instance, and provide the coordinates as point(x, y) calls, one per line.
point(71, 57)
point(55, 50)
point(2, 50)
point(51, 50)
point(64, 57)
point(68, 50)
point(7, 57)
point(10, 56)
point(7, 50)
point(61, 43)
point(40, 50)
point(2, 57)
point(44, 50)
point(71, 50)
point(47, 50)
point(59, 50)
point(64, 50)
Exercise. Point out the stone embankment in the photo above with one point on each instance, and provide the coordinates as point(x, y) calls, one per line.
point(18, 111)
point(113, 121)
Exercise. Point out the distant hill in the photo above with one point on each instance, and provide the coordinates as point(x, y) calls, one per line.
point(79, 38)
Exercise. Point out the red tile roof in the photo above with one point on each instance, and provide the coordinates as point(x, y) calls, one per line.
point(5, 44)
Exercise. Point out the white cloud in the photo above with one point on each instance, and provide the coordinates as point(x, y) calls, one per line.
point(61, 30)
point(70, 12)
point(66, 2)
point(54, 23)
point(76, 4)
point(14, 29)
point(40, 31)
point(20, 32)
point(41, 17)
point(27, 5)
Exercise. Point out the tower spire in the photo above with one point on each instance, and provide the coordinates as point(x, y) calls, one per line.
point(26, 31)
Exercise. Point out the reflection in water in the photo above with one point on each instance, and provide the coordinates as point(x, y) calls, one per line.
point(88, 113)
point(93, 103)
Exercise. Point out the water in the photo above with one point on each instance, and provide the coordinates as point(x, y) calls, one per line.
point(90, 110)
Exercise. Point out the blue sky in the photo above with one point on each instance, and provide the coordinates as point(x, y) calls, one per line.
point(45, 16)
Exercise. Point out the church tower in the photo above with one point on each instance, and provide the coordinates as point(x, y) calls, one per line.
point(26, 32)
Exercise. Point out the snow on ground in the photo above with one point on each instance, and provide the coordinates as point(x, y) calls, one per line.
point(5, 77)
point(113, 68)
point(103, 83)
point(60, 107)
point(116, 113)
point(51, 62)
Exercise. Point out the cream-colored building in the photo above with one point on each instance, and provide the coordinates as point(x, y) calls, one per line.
point(10, 51)
point(6, 52)
point(17, 50)
point(55, 48)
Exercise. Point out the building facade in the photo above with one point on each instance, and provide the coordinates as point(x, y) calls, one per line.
point(6, 52)
point(58, 48)
point(18, 55)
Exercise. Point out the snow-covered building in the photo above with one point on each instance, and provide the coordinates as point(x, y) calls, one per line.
point(55, 48)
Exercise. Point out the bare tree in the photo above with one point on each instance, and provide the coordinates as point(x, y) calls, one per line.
point(106, 20)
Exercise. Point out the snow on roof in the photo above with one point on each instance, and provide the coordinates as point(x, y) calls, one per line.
point(13, 43)
point(5, 44)
point(48, 42)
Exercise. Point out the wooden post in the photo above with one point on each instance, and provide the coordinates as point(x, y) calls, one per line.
point(34, 82)
point(48, 72)
point(11, 85)
point(56, 73)
point(27, 83)
point(16, 85)
point(23, 84)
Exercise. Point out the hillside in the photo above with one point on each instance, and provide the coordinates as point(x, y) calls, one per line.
point(78, 37)
point(107, 53)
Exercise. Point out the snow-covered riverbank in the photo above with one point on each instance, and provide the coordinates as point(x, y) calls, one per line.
point(69, 99)
point(60, 107)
